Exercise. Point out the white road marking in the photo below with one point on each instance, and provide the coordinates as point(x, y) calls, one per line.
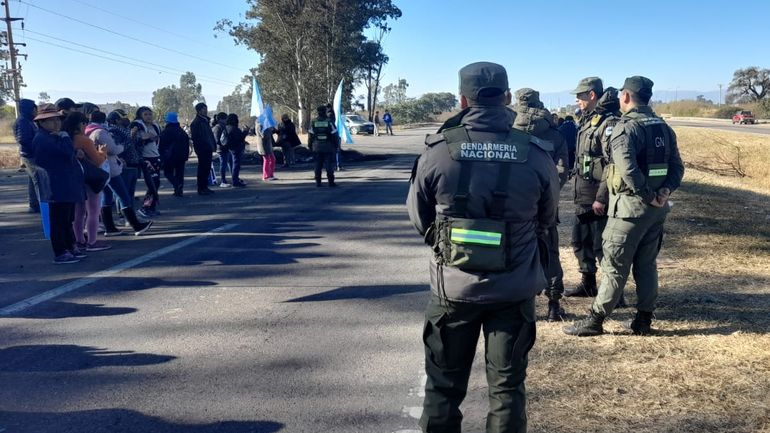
point(74, 285)
point(413, 412)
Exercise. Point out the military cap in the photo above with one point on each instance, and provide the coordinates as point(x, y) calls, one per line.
point(529, 97)
point(589, 83)
point(483, 79)
point(639, 85)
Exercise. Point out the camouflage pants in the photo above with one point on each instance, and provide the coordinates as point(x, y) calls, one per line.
point(450, 336)
point(627, 243)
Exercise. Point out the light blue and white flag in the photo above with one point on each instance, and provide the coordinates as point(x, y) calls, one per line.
point(342, 129)
point(257, 107)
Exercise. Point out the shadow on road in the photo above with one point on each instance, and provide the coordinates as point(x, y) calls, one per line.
point(62, 310)
point(70, 357)
point(120, 421)
point(362, 292)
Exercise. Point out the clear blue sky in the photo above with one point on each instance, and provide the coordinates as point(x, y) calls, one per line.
point(686, 45)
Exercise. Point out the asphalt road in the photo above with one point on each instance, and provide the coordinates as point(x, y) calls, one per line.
point(302, 312)
point(721, 125)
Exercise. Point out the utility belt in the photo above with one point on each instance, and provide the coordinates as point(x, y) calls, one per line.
point(591, 167)
point(655, 176)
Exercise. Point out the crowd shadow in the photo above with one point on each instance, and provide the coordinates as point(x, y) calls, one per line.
point(63, 310)
point(362, 292)
point(121, 421)
point(71, 357)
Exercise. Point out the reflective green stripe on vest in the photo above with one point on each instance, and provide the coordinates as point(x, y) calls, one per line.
point(463, 236)
point(658, 172)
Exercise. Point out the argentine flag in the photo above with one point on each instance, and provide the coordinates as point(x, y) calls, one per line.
point(264, 114)
point(342, 129)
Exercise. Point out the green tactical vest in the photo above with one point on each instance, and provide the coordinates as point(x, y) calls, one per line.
point(658, 142)
point(478, 244)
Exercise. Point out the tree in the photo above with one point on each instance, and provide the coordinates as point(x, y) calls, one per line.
point(239, 101)
point(748, 85)
point(440, 102)
point(180, 99)
point(394, 94)
point(44, 98)
point(307, 46)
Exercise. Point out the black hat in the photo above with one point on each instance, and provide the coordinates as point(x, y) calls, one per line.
point(639, 85)
point(483, 79)
point(67, 104)
point(589, 83)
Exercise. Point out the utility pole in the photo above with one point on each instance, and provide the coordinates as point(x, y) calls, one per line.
point(14, 72)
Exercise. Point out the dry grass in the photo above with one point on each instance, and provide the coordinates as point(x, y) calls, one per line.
point(9, 157)
point(707, 369)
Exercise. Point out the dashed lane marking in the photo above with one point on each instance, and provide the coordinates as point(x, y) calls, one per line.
point(82, 282)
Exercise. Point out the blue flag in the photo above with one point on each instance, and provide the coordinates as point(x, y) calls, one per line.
point(257, 107)
point(342, 129)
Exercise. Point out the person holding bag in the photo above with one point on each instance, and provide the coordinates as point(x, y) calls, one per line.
point(146, 133)
point(87, 212)
point(56, 155)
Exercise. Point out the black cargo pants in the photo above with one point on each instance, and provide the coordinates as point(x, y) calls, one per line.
point(450, 336)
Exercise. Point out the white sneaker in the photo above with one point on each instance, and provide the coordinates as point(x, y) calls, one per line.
point(224, 185)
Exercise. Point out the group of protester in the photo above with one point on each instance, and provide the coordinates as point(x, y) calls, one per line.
point(81, 162)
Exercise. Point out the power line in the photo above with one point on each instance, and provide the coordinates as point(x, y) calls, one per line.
point(104, 57)
point(209, 78)
point(160, 29)
point(128, 36)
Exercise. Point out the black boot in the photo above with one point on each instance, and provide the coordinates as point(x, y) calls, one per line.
point(109, 223)
point(586, 288)
point(139, 227)
point(642, 323)
point(591, 326)
point(622, 302)
point(555, 312)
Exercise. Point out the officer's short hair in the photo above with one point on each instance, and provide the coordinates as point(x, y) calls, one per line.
point(639, 98)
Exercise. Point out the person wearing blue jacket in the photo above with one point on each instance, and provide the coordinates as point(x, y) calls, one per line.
point(24, 130)
point(174, 152)
point(55, 153)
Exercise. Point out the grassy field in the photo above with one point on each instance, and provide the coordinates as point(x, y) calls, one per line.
point(707, 369)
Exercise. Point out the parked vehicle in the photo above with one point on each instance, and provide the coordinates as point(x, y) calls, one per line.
point(358, 125)
point(743, 117)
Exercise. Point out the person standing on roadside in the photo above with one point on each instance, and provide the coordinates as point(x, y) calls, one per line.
point(388, 119)
point(568, 130)
point(323, 142)
point(146, 134)
point(288, 140)
point(24, 130)
point(174, 151)
point(376, 123)
point(645, 168)
point(601, 113)
point(479, 193)
point(64, 186)
point(533, 118)
point(117, 123)
point(204, 144)
point(234, 139)
point(225, 157)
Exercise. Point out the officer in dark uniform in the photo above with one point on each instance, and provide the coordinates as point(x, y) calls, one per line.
point(533, 118)
point(601, 114)
point(645, 167)
point(479, 194)
point(323, 141)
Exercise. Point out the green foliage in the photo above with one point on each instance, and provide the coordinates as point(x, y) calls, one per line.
point(44, 98)
point(395, 94)
point(8, 112)
point(308, 46)
point(424, 108)
point(762, 110)
point(725, 112)
point(180, 99)
point(685, 108)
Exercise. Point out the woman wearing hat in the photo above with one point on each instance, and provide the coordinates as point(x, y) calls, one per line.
point(55, 153)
